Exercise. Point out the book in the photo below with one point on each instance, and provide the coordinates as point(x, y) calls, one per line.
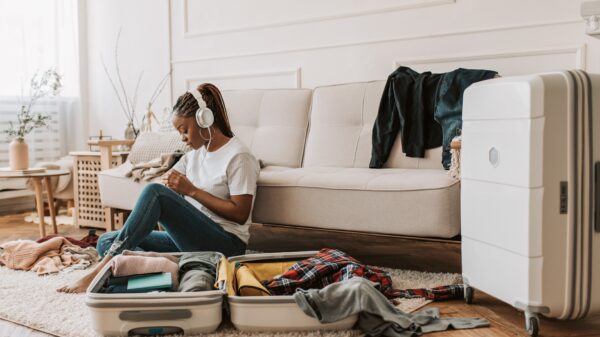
point(150, 282)
point(7, 170)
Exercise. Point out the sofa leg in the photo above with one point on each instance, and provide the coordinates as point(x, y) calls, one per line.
point(109, 219)
point(70, 207)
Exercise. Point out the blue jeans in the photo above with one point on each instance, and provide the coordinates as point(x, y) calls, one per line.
point(187, 229)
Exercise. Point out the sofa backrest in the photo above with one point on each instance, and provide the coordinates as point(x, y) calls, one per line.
point(341, 123)
point(272, 122)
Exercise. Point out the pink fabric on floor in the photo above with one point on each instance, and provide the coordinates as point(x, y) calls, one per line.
point(44, 258)
point(127, 265)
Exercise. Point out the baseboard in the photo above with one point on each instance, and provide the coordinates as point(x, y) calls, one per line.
point(454, 240)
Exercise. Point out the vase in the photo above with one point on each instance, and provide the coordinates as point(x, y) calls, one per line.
point(130, 131)
point(18, 154)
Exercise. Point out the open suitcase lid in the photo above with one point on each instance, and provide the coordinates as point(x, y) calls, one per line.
point(95, 299)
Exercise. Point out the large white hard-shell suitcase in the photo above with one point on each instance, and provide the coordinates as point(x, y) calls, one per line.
point(153, 313)
point(529, 161)
point(275, 313)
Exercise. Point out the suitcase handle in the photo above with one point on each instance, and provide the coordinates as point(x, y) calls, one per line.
point(154, 315)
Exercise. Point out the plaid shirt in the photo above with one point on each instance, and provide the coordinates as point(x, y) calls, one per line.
point(328, 266)
point(441, 293)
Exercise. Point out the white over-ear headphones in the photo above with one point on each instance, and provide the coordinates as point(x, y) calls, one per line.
point(204, 115)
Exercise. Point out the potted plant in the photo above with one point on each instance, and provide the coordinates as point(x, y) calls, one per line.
point(42, 84)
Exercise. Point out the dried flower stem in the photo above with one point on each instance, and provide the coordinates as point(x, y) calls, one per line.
point(159, 88)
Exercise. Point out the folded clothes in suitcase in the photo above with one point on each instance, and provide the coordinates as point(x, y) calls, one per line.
point(530, 195)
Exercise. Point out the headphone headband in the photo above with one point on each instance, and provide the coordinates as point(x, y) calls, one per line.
point(198, 96)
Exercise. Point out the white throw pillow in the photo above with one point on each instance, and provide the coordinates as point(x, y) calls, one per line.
point(150, 145)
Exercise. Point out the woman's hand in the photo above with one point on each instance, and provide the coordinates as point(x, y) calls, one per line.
point(178, 182)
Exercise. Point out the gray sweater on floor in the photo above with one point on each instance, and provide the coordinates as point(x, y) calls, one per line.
point(376, 315)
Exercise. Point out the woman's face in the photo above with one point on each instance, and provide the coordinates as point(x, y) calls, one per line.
point(190, 132)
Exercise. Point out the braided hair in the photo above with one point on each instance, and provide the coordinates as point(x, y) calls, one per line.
point(187, 105)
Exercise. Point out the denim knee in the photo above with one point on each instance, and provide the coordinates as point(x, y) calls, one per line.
point(154, 187)
point(105, 241)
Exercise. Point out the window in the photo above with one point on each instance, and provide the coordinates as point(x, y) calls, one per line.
point(36, 35)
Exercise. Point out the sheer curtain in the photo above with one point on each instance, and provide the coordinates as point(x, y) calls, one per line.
point(36, 35)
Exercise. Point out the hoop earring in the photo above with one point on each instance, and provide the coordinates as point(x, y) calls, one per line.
point(201, 136)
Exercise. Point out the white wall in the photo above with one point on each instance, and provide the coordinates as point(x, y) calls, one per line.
point(290, 43)
point(144, 46)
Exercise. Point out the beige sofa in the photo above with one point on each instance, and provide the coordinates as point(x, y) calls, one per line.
point(316, 145)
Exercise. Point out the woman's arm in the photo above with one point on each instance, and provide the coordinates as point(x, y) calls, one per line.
point(236, 209)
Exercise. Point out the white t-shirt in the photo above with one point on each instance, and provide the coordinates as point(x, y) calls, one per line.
point(230, 170)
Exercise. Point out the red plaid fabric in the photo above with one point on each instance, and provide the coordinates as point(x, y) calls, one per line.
point(441, 293)
point(328, 266)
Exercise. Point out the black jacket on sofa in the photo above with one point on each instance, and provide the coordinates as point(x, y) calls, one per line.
point(425, 108)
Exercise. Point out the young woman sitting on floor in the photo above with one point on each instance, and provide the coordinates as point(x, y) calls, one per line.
point(205, 201)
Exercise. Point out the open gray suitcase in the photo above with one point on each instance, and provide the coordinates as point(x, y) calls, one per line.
point(200, 312)
point(152, 313)
point(530, 197)
point(275, 313)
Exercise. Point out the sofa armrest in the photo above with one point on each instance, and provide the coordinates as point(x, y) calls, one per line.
point(106, 146)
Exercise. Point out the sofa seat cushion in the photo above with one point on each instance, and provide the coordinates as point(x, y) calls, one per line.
point(412, 202)
point(119, 191)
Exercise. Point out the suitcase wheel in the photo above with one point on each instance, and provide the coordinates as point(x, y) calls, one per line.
point(469, 292)
point(532, 324)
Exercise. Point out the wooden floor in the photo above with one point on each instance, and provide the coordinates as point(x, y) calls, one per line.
point(377, 250)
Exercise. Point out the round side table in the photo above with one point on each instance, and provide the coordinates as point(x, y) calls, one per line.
point(37, 178)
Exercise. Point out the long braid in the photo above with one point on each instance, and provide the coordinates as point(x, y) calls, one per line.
point(214, 100)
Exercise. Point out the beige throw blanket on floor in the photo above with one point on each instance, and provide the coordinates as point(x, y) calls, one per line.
point(153, 168)
point(47, 257)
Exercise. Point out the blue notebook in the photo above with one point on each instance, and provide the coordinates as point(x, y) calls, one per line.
point(150, 282)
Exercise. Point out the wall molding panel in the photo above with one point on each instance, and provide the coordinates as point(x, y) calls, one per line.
point(406, 5)
point(380, 41)
point(282, 78)
point(579, 54)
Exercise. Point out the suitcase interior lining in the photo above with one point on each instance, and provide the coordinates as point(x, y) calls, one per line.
point(245, 280)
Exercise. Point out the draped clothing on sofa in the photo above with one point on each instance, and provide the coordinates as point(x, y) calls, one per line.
point(425, 108)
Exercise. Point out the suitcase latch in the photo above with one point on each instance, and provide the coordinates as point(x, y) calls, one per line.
point(564, 197)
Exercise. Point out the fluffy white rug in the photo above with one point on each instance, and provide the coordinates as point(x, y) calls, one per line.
point(61, 219)
point(28, 299)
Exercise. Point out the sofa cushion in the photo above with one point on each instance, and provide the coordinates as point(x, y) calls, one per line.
point(150, 145)
point(413, 202)
point(272, 123)
point(118, 191)
point(341, 123)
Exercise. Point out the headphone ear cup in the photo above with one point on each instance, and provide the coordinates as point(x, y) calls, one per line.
point(205, 117)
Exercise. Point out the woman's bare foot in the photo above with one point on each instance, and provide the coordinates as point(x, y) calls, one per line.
point(78, 286)
point(83, 283)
